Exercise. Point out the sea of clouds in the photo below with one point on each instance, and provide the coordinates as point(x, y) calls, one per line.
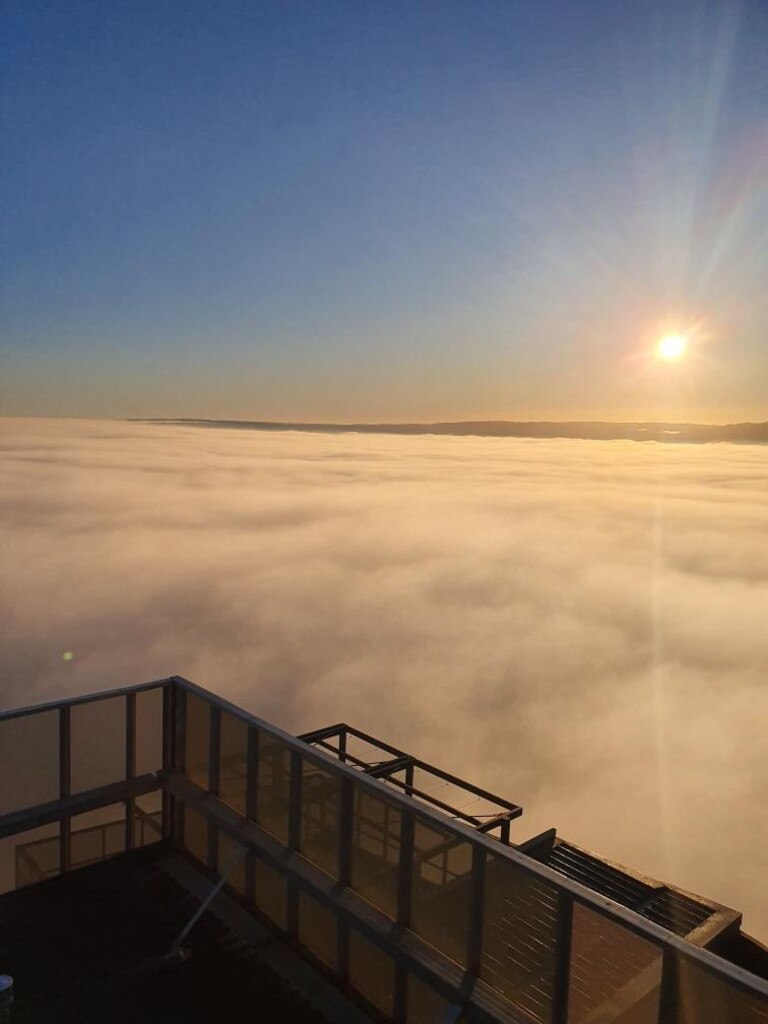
point(580, 626)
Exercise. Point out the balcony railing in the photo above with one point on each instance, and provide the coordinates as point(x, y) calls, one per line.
point(415, 911)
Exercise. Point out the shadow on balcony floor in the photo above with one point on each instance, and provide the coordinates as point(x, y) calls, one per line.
point(88, 947)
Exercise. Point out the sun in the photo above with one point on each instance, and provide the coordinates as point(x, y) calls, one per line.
point(672, 347)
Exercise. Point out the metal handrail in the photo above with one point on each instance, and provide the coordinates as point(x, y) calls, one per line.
point(571, 891)
point(577, 893)
point(87, 698)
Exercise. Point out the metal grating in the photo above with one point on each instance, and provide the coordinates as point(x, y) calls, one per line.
point(674, 911)
point(599, 876)
point(663, 906)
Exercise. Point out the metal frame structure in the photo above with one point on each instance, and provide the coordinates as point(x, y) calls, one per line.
point(399, 761)
point(451, 963)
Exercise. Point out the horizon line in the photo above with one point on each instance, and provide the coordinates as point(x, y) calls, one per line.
point(597, 430)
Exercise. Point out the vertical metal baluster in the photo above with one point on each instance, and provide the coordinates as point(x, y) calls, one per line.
point(214, 748)
point(180, 758)
point(408, 780)
point(294, 837)
point(214, 767)
point(343, 744)
point(477, 912)
point(65, 771)
point(294, 812)
point(252, 775)
point(562, 979)
point(130, 765)
point(251, 807)
point(405, 879)
point(169, 743)
point(669, 990)
point(346, 819)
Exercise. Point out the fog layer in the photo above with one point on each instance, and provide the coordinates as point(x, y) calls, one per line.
point(581, 626)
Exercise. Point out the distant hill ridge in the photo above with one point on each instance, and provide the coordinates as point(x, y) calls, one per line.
point(689, 433)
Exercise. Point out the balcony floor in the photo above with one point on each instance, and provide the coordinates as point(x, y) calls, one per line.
point(88, 947)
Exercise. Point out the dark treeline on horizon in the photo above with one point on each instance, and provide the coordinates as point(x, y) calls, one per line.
point(689, 433)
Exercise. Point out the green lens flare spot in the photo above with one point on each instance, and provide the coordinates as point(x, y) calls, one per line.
point(67, 655)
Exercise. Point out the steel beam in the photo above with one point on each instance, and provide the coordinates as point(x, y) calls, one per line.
point(61, 810)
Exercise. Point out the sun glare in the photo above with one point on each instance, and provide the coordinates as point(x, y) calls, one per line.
point(671, 347)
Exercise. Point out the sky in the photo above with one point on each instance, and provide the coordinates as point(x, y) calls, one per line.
point(355, 211)
point(578, 626)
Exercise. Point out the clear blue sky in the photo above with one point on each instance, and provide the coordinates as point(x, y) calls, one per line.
point(399, 210)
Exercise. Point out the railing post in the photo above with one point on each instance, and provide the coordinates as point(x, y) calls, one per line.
point(405, 879)
point(180, 756)
point(130, 736)
point(214, 748)
point(252, 775)
point(477, 911)
point(180, 730)
point(214, 766)
point(294, 807)
point(346, 814)
point(130, 765)
point(65, 770)
point(169, 738)
point(169, 707)
point(562, 973)
point(346, 817)
point(669, 988)
point(294, 838)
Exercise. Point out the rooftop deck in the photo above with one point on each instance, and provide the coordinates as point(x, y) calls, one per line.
point(91, 946)
point(409, 899)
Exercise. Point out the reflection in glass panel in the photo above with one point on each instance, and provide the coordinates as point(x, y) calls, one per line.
point(29, 761)
point(371, 972)
point(703, 998)
point(29, 857)
point(274, 785)
point(615, 974)
point(320, 807)
point(519, 937)
point(233, 762)
point(96, 835)
point(442, 890)
point(425, 1006)
point(149, 730)
point(197, 737)
point(97, 741)
point(376, 850)
point(270, 893)
point(231, 862)
point(318, 930)
point(196, 834)
point(148, 819)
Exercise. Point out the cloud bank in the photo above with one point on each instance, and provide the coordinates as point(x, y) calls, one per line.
point(579, 625)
